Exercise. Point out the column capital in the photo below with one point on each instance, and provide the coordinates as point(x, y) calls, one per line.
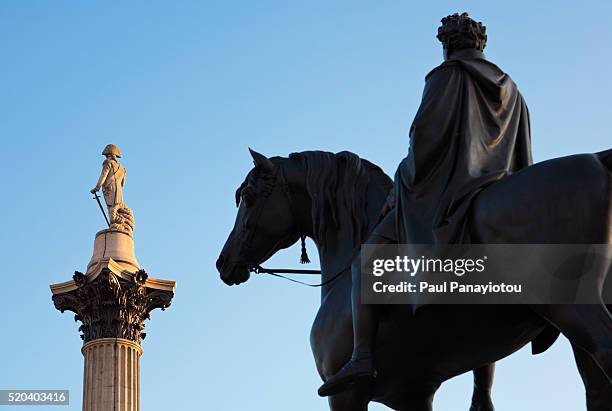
point(112, 303)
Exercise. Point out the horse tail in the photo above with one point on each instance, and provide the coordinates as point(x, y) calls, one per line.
point(606, 158)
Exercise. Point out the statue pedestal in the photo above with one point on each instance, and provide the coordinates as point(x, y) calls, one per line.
point(113, 244)
point(112, 301)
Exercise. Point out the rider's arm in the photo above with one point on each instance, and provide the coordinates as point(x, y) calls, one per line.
point(103, 174)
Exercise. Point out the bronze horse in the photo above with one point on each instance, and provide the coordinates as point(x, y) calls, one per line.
point(336, 199)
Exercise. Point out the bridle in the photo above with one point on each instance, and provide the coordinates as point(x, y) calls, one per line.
point(277, 272)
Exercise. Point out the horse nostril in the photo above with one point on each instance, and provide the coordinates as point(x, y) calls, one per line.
point(220, 262)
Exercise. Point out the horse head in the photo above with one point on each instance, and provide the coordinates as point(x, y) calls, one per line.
point(265, 222)
point(313, 193)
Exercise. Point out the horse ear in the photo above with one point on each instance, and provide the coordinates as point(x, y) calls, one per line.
point(261, 161)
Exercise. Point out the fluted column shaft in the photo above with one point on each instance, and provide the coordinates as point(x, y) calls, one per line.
point(111, 379)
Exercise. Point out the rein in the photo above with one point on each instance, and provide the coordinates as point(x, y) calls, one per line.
point(277, 272)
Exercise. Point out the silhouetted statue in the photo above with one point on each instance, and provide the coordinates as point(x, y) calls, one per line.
point(466, 179)
point(335, 199)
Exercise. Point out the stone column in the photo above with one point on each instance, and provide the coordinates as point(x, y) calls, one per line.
point(112, 301)
point(111, 378)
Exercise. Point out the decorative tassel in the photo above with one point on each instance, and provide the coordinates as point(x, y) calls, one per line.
point(304, 258)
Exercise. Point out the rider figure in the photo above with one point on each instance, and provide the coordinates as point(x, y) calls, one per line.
point(471, 129)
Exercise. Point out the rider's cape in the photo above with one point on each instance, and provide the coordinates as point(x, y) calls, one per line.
point(471, 129)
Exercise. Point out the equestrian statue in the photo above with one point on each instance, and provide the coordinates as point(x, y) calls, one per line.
point(468, 178)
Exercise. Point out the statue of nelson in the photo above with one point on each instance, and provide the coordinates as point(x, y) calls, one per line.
point(471, 129)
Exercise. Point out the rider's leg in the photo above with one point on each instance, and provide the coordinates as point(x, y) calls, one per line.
point(588, 326)
point(483, 382)
point(365, 321)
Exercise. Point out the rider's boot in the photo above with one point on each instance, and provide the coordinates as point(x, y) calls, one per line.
point(360, 368)
point(357, 370)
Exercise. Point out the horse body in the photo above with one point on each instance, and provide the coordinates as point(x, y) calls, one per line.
point(577, 211)
point(416, 352)
point(451, 341)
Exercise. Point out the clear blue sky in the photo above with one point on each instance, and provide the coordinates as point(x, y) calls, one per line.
point(183, 88)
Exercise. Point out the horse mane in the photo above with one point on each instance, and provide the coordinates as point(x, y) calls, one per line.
point(339, 182)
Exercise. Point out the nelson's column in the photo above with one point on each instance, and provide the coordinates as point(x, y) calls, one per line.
point(112, 300)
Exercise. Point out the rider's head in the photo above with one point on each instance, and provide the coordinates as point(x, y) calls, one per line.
point(459, 31)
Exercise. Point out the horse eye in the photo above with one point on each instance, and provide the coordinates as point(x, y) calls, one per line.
point(247, 198)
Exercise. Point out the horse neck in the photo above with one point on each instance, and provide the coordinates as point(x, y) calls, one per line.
point(336, 253)
point(335, 262)
point(339, 249)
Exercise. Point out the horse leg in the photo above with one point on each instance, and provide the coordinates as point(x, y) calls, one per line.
point(587, 326)
point(483, 381)
point(352, 399)
point(598, 388)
